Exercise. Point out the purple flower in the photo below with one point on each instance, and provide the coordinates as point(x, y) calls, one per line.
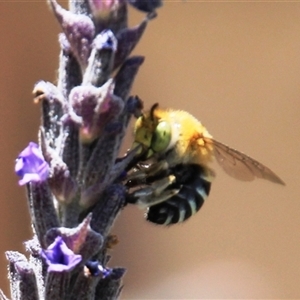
point(59, 257)
point(95, 269)
point(31, 166)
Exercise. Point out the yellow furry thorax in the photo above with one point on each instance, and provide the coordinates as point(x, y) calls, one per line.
point(187, 133)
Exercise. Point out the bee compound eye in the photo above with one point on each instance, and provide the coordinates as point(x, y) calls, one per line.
point(161, 137)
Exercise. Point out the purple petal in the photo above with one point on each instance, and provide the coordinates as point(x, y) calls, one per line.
point(59, 257)
point(95, 269)
point(31, 166)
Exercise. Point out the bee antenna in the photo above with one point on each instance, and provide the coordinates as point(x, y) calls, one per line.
point(153, 108)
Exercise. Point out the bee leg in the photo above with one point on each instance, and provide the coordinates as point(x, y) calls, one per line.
point(147, 171)
point(154, 194)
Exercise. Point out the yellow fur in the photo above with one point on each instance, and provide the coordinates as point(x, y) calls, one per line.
point(190, 146)
point(187, 133)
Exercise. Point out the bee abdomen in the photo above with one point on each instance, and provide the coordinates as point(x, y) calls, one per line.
point(194, 189)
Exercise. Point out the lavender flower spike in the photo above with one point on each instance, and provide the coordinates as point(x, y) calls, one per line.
point(31, 166)
point(73, 179)
point(59, 257)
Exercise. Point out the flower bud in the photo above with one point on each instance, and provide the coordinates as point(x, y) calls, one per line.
point(79, 30)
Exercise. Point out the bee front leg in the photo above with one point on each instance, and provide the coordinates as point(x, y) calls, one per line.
point(154, 194)
point(145, 172)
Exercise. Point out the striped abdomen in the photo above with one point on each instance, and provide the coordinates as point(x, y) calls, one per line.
point(194, 189)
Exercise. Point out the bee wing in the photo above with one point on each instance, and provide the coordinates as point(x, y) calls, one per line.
point(240, 165)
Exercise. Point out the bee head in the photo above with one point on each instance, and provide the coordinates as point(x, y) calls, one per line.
point(152, 132)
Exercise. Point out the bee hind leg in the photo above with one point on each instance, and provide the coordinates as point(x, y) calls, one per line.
point(156, 193)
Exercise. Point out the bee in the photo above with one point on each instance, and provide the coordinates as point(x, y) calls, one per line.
point(173, 178)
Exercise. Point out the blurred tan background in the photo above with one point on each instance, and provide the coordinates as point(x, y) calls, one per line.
point(236, 66)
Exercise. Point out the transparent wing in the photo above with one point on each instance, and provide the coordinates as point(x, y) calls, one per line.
point(240, 165)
